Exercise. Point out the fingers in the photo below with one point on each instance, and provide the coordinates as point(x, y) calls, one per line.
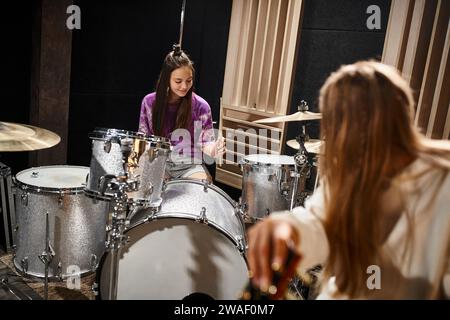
point(283, 235)
point(251, 257)
point(263, 258)
point(285, 257)
point(280, 251)
point(258, 251)
point(221, 143)
point(270, 243)
point(220, 146)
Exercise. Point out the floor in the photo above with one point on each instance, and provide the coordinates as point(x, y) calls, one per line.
point(15, 287)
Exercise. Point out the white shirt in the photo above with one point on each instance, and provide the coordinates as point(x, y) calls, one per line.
point(425, 274)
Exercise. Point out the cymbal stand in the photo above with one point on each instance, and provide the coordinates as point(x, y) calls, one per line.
point(302, 165)
point(47, 256)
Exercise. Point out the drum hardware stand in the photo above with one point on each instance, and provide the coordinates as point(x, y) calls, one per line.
point(133, 209)
point(302, 170)
point(47, 256)
point(240, 245)
point(183, 9)
point(302, 161)
point(4, 282)
point(205, 185)
point(24, 264)
point(116, 238)
point(241, 209)
point(59, 272)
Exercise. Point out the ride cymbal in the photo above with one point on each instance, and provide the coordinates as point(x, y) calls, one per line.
point(23, 137)
point(312, 145)
point(298, 116)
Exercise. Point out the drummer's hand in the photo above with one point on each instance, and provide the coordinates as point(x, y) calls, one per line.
point(268, 243)
point(215, 149)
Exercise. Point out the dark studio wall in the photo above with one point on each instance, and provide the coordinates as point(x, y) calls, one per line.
point(118, 53)
point(333, 33)
point(15, 57)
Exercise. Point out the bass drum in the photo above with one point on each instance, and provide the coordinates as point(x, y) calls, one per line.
point(194, 247)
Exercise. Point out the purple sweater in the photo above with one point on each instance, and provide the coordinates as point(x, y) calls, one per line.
point(200, 130)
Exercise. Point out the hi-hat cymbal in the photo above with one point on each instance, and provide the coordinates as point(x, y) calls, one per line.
point(23, 137)
point(312, 145)
point(298, 116)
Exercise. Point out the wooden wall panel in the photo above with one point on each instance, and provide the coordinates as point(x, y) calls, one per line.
point(441, 99)
point(397, 32)
point(433, 64)
point(261, 55)
point(417, 43)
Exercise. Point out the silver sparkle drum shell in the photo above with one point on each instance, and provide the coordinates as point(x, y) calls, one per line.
point(179, 252)
point(146, 163)
point(267, 185)
point(77, 223)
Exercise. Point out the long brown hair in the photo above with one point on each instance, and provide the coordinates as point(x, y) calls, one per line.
point(368, 126)
point(174, 60)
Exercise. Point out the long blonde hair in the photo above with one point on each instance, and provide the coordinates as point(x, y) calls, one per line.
point(367, 124)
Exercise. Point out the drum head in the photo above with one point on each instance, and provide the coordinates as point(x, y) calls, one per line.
point(176, 258)
point(54, 177)
point(270, 159)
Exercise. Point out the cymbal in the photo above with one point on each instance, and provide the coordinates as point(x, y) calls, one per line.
point(298, 116)
point(312, 145)
point(23, 137)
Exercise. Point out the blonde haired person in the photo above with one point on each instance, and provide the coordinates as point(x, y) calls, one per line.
point(382, 211)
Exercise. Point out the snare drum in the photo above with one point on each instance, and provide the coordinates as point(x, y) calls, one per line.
point(146, 163)
point(267, 185)
point(193, 248)
point(77, 224)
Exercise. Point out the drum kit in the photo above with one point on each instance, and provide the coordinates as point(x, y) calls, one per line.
point(272, 182)
point(144, 237)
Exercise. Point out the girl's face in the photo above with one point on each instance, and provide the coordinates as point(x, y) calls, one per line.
point(180, 82)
